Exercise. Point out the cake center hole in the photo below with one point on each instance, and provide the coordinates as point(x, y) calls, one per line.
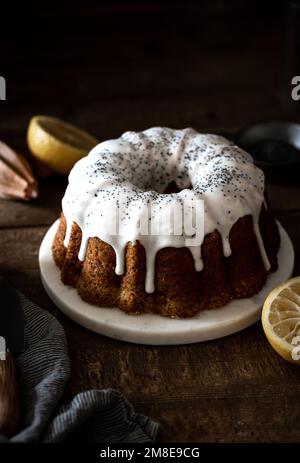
point(173, 188)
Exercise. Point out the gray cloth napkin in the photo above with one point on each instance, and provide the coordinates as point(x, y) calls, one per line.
point(92, 416)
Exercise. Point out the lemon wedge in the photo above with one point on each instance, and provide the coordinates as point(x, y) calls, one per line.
point(281, 320)
point(57, 144)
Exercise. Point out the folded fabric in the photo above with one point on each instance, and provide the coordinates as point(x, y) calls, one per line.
point(92, 416)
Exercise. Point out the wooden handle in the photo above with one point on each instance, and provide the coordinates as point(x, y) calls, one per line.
point(9, 397)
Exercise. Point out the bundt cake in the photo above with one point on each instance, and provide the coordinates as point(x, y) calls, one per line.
point(122, 266)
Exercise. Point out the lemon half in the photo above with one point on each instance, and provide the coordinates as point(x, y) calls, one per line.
point(281, 320)
point(57, 144)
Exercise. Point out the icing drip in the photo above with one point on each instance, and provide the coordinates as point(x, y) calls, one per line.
point(261, 246)
point(134, 171)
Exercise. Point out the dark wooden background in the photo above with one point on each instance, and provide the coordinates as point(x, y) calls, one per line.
point(213, 65)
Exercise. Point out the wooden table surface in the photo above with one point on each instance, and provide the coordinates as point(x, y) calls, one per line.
point(233, 389)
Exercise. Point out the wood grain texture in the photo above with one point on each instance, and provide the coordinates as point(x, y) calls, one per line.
point(10, 415)
point(216, 74)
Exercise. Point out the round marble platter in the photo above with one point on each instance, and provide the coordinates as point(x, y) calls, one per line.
point(153, 329)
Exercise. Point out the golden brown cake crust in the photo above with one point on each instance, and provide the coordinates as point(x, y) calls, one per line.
point(180, 291)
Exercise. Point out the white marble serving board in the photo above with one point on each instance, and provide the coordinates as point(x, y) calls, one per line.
point(154, 329)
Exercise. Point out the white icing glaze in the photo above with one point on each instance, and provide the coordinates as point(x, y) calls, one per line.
point(135, 169)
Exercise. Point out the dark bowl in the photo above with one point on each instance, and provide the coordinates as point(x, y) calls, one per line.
point(275, 147)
